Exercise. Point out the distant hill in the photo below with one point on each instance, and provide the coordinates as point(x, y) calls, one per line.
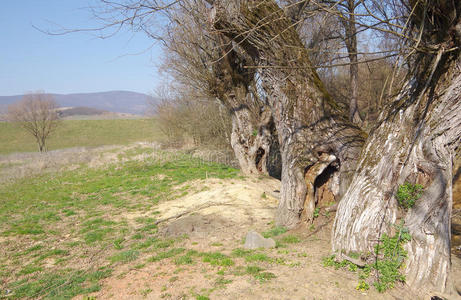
point(113, 101)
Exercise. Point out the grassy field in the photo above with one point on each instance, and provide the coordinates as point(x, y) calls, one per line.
point(81, 133)
point(62, 233)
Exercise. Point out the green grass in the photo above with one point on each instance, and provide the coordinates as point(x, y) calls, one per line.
point(290, 239)
point(217, 259)
point(125, 256)
point(56, 222)
point(62, 285)
point(264, 276)
point(274, 231)
point(81, 133)
point(166, 254)
point(258, 257)
point(257, 273)
point(184, 260)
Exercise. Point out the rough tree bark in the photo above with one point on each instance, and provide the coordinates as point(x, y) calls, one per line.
point(253, 137)
point(308, 121)
point(415, 142)
point(207, 62)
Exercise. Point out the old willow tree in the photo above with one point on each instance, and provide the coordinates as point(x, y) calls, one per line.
point(415, 142)
point(211, 65)
point(313, 131)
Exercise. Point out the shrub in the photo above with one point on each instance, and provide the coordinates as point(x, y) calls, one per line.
point(408, 194)
point(390, 256)
point(201, 121)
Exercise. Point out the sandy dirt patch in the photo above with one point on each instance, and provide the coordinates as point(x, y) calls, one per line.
point(216, 218)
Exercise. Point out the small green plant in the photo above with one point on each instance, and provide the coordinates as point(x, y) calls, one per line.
point(389, 259)
point(408, 194)
point(257, 273)
point(184, 260)
point(316, 212)
point(222, 281)
point(146, 292)
point(391, 256)
point(330, 261)
point(118, 243)
point(362, 286)
point(264, 276)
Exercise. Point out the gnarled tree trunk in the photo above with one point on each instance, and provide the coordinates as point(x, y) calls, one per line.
point(253, 138)
point(254, 142)
point(415, 142)
point(308, 121)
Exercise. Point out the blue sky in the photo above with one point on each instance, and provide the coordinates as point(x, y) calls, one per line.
point(77, 62)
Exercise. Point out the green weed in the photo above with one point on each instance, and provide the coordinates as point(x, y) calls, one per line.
point(316, 212)
point(390, 256)
point(264, 276)
point(408, 194)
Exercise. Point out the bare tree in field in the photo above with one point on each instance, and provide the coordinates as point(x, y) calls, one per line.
point(37, 114)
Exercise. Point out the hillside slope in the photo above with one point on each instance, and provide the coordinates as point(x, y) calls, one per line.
point(114, 101)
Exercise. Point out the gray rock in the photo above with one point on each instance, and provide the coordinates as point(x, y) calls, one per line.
point(254, 240)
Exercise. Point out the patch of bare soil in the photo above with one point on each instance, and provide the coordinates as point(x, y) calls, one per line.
point(216, 219)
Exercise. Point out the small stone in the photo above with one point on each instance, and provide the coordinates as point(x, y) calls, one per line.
point(255, 240)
